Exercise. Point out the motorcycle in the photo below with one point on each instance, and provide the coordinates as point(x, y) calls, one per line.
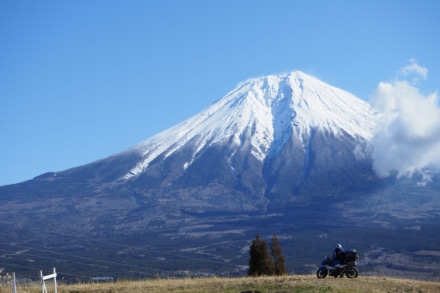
point(339, 270)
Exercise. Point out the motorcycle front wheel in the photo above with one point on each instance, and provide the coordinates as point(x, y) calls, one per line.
point(352, 273)
point(321, 273)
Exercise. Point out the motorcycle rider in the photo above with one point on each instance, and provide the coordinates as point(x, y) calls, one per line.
point(338, 254)
point(338, 257)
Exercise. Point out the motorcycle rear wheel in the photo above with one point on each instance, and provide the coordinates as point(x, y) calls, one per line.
point(352, 273)
point(321, 273)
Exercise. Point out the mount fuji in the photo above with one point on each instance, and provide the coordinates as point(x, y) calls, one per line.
point(271, 141)
point(285, 154)
point(264, 114)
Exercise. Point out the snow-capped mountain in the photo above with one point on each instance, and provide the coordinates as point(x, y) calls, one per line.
point(272, 140)
point(264, 113)
point(285, 154)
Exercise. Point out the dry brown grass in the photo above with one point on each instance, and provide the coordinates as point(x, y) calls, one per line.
point(263, 284)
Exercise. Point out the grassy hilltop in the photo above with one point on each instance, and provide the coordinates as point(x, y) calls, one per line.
point(286, 284)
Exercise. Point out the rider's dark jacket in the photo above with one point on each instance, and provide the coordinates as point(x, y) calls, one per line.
point(338, 254)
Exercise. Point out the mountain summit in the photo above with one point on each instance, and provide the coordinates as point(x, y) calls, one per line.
point(260, 116)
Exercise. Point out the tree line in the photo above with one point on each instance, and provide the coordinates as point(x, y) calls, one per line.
point(263, 263)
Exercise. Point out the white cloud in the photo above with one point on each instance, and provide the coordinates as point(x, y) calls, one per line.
point(407, 139)
point(414, 68)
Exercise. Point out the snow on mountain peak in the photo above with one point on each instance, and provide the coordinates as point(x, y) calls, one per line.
point(264, 112)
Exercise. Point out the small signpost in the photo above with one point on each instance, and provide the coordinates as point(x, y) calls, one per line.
point(44, 278)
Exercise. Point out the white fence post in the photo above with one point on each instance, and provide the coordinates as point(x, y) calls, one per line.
point(43, 278)
point(55, 280)
point(43, 286)
point(14, 284)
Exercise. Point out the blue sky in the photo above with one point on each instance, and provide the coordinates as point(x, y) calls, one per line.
point(82, 80)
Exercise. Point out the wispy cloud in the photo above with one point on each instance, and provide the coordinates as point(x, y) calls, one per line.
point(414, 69)
point(407, 139)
